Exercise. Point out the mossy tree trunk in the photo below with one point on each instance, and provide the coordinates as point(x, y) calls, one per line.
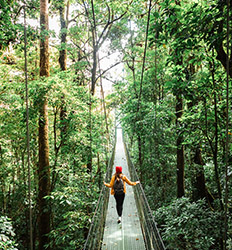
point(44, 168)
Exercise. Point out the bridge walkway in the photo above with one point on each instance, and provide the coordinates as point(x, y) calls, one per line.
point(128, 234)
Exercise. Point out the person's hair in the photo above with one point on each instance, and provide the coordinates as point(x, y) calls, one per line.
point(117, 174)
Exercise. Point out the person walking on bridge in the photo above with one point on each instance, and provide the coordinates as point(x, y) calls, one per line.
point(118, 189)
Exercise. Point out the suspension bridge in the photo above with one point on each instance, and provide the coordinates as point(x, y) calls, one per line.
point(138, 229)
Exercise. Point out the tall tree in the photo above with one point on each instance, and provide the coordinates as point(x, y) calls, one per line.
point(63, 34)
point(178, 90)
point(63, 8)
point(112, 14)
point(44, 168)
point(93, 11)
point(180, 147)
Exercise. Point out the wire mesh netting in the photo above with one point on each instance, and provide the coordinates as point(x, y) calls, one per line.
point(150, 231)
point(94, 238)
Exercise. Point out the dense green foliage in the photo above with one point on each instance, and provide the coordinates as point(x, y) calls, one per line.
point(185, 62)
point(7, 234)
point(189, 225)
point(70, 195)
point(74, 190)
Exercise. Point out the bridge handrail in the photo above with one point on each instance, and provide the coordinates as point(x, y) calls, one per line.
point(95, 234)
point(152, 238)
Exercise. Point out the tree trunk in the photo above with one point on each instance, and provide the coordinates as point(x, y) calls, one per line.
point(95, 50)
point(180, 148)
point(44, 179)
point(222, 57)
point(200, 190)
point(94, 70)
point(44, 168)
point(89, 147)
point(63, 34)
point(44, 55)
point(63, 121)
point(63, 112)
point(215, 151)
point(179, 142)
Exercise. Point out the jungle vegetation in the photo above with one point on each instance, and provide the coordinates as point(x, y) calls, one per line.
point(57, 122)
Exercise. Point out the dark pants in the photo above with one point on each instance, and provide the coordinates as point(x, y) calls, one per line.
point(119, 203)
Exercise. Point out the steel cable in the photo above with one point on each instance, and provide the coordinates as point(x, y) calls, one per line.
point(143, 67)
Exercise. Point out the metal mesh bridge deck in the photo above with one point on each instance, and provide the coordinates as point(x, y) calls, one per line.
point(128, 234)
point(138, 229)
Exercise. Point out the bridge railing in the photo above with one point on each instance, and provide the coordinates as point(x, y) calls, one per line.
point(95, 235)
point(152, 238)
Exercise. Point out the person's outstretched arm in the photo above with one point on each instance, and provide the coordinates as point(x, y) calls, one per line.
point(131, 183)
point(111, 184)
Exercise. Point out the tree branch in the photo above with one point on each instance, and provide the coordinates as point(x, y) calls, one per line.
point(112, 66)
point(109, 23)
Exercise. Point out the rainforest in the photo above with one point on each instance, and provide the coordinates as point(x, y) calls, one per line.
point(75, 72)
